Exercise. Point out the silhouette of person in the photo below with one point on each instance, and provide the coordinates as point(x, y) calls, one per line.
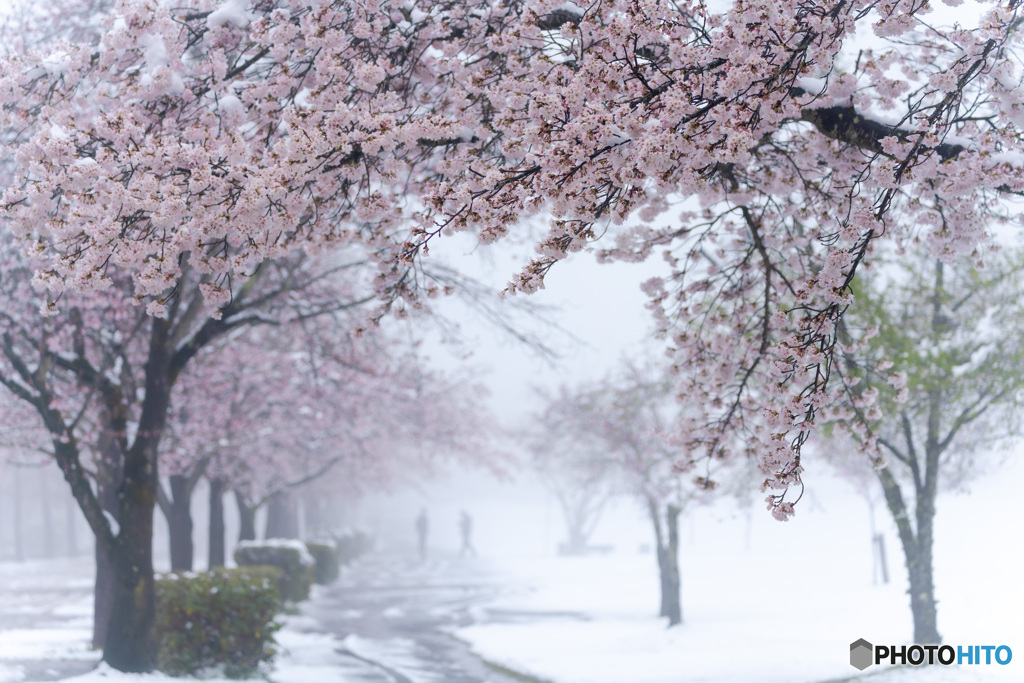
point(422, 525)
point(466, 529)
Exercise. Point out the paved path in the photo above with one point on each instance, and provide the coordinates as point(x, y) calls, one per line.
point(392, 618)
point(396, 616)
point(54, 599)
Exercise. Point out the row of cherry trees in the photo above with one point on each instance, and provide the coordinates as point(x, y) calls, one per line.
point(192, 159)
point(281, 406)
point(935, 374)
point(273, 390)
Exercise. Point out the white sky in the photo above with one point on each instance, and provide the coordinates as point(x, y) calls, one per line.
point(599, 305)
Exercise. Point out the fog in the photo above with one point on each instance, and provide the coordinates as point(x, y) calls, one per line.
point(741, 570)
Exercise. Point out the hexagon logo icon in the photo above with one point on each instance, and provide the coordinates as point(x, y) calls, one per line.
point(860, 654)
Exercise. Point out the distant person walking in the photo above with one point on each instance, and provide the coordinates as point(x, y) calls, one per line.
point(422, 526)
point(466, 529)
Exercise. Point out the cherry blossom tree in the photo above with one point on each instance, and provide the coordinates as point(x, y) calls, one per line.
point(240, 389)
point(567, 461)
point(623, 423)
point(205, 140)
point(287, 405)
point(933, 376)
point(99, 378)
point(210, 137)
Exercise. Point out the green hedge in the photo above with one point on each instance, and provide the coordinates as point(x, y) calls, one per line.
point(352, 544)
point(328, 561)
point(288, 555)
point(222, 619)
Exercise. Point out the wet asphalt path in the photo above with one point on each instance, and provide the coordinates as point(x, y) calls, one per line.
point(395, 616)
point(392, 617)
point(54, 597)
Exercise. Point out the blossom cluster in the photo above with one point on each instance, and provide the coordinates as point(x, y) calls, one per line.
point(215, 136)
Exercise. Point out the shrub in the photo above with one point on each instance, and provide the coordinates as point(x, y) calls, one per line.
point(328, 561)
point(223, 619)
point(288, 555)
point(352, 544)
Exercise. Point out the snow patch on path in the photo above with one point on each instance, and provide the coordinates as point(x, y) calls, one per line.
point(47, 643)
point(11, 674)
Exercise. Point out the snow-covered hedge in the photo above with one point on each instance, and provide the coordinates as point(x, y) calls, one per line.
point(289, 555)
point(220, 620)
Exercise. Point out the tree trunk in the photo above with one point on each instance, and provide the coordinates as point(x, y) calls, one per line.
point(130, 645)
point(922, 597)
point(19, 540)
point(667, 546)
point(70, 516)
point(216, 523)
point(670, 580)
point(247, 519)
point(179, 522)
point(881, 563)
point(104, 598)
point(917, 551)
point(109, 475)
point(49, 547)
point(312, 508)
point(282, 521)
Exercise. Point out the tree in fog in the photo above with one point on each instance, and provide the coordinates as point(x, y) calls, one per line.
point(290, 390)
point(933, 370)
point(99, 378)
point(286, 406)
point(615, 435)
point(567, 460)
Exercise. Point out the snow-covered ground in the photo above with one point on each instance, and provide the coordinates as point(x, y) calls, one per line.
point(784, 626)
point(763, 602)
point(770, 602)
point(46, 629)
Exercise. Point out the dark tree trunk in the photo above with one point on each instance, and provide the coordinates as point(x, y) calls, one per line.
point(179, 522)
point(216, 523)
point(104, 598)
point(282, 520)
point(130, 645)
point(247, 519)
point(110, 472)
point(667, 545)
point(917, 551)
point(922, 596)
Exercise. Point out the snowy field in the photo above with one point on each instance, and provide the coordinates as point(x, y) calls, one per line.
point(762, 601)
point(771, 602)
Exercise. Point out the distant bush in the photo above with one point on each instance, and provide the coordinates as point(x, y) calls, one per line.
point(222, 619)
point(352, 544)
point(288, 555)
point(328, 561)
